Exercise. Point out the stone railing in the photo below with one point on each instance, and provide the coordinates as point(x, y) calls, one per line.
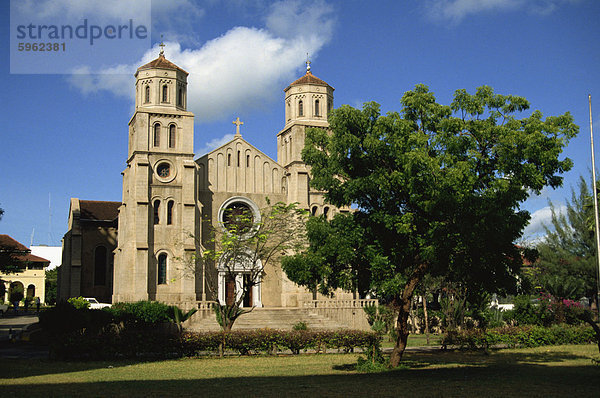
point(347, 312)
point(204, 309)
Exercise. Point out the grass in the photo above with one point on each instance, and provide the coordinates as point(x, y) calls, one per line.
point(415, 340)
point(543, 372)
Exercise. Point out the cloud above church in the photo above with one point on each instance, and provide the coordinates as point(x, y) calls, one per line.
point(456, 10)
point(242, 70)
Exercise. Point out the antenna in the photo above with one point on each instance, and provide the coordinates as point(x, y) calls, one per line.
point(50, 240)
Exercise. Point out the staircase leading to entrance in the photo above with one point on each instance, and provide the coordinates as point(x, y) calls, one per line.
point(272, 318)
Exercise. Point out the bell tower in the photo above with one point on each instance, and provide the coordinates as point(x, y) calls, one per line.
point(158, 214)
point(308, 101)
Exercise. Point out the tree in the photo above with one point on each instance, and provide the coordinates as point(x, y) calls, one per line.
point(567, 255)
point(51, 283)
point(246, 245)
point(11, 256)
point(436, 189)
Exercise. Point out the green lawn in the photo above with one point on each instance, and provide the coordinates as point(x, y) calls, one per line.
point(541, 372)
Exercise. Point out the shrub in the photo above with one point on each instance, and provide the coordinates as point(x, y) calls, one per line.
point(301, 325)
point(520, 336)
point(149, 312)
point(79, 302)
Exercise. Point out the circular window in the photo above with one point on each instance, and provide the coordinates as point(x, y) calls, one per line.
point(240, 216)
point(164, 171)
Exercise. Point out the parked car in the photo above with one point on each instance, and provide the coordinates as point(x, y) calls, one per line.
point(95, 305)
point(3, 309)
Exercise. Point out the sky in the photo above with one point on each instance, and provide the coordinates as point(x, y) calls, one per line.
point(64, 134)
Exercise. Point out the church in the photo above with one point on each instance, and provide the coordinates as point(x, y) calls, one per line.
point(135, 249)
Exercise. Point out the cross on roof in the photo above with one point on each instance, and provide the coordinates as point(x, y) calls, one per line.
point(237, 126)
point(162, 46)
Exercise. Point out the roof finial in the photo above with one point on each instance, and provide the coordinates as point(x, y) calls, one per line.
point(237, 126)
point(307, 64)
point(162, 47)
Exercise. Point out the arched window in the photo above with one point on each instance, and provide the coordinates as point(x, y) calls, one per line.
point(316, 107)
point(300, 108)
point(162, 269)
point(180, 96)
point(165, 92)
point(247, 160)
point(170, 205)
point(329, 106)
point(156, 135)
point(238, 159)
point(314, 210)
point(156, 211)
point(100, 266)
point(147, 93)
point(228, 159)
point(325, 212)
point(30, 292)
point(172, 132)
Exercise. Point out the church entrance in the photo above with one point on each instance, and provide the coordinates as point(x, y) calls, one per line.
point(231, 287)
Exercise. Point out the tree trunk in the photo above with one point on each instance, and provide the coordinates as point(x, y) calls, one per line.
point(426, 317)
point(403, 305)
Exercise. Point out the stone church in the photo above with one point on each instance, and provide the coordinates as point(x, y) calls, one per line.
point(135, 249)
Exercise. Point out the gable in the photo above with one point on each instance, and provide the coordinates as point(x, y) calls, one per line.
point(239, 167)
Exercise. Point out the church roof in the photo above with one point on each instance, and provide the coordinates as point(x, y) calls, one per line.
point(99, 210)
point(161, 63)
point(308, 78)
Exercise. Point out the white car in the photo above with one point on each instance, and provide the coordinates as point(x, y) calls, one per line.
point(95, 305)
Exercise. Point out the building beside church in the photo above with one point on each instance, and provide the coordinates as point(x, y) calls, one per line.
point(135, 249)
point(30, 281)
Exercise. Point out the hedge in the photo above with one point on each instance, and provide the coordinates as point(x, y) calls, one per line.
point(114, 343)
point(520, 336)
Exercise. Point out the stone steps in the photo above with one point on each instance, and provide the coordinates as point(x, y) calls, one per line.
point(272, 318)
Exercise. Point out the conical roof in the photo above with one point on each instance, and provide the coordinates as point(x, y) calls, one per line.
point(161, 63)
point(308, 78)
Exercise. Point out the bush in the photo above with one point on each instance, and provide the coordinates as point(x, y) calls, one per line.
point(79, 302)
point(301, 325)
point(520, 336)
point(148, 312)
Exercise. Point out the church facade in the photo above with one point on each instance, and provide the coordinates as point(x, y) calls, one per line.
point(137, 249)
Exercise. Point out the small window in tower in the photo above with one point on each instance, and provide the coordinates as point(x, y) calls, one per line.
point(325, 212)
point(316, 107)
point(238, 159)
point(147, 94)
point(228, 159)
point(172, 133)
point(170, 205)
point(156, 211)
point(300, 108)
point(247, 160)
point(314, 210)
point(164, 93)
point(162, 269)
point(329, 106)
point(156, 138)
point(180, 96)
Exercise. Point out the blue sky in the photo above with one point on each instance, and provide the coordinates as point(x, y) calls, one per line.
point(65, 135)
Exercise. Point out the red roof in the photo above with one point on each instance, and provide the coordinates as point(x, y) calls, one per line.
point(99, 210)
point(161, 63)
point(309, 78)
point(6, 240)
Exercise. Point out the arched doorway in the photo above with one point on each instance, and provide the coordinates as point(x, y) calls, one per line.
point(30, 292)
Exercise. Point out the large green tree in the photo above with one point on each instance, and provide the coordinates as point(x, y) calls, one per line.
point(567, 256)
point(436, 189)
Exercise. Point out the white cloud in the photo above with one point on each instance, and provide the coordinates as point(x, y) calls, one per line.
point(214, 144)
point(539, 219)
point(241, 70)
point(456, 10)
